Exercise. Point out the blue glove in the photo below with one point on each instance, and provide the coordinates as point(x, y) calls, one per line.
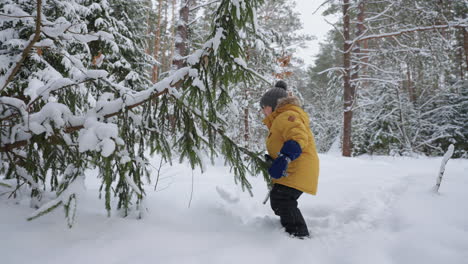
point(279, 166)
point(290, 151)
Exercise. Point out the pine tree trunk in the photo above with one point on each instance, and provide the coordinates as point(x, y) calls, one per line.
point(362, 53)
point(181, 35)
point(173, 26)
point(157, 43)
point(148, 27)
point(348, 92)
point(357, 51)
point(246, 125)
point(165, 56)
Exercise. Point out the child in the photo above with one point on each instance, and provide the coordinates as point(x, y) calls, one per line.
point(290, 143)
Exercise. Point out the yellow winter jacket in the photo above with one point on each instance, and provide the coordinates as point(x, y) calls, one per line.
point(290, 122)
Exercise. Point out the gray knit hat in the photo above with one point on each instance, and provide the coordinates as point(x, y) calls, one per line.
point(271, 97)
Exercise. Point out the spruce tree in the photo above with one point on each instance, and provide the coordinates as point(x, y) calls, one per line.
point(83, 99)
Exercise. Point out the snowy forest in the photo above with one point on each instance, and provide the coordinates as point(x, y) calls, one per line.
point(133, 89)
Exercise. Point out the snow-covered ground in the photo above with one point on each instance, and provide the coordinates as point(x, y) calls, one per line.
point(368, 210)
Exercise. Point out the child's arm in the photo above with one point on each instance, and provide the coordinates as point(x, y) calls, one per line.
point(292, 128)
point(295, 138)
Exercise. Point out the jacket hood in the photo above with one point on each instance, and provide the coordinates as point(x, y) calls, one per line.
point(290, 103)
point(293, 100)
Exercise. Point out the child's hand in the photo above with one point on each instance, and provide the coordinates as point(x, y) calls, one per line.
point(291, 150)
point(279, 166)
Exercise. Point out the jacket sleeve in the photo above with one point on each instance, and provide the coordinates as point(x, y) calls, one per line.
point(292, 128)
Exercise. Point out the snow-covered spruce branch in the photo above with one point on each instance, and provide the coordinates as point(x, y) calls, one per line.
point(23, 109)
point(211, 67)
point(115, 107)
point(81, 120)
point(64, 198)
point(10, 74)
point(240, 62)
point(259, 162)
point(11, 16)
point(51, 88)
point(14, 103)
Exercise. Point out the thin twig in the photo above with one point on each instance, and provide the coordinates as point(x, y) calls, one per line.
point(159, 174)
point(191, 193)
point(203, 5)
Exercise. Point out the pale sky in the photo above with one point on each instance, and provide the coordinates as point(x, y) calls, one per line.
point(314, 24)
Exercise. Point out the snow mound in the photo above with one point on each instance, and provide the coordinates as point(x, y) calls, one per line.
point(227, 196)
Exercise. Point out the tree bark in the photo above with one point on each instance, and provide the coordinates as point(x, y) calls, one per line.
point(148, 27)
point(362, 46)
point(164, 42)
point(181, 35)
point(348, 93)
point(356, 51)
point(246, 125)
point(157, 44)
point(465, 46)
point(173, 30)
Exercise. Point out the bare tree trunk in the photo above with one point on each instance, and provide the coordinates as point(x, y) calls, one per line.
point(246, 119)
point(348, 93)
point(181, 35)
point(157, 44)
point(362, 53)
point(465, 45)
point(173, 26)
point(181, 38)
point(411, 90)
point(165, 40)
point(148, 27)
point(246, 125)
point(357, 50)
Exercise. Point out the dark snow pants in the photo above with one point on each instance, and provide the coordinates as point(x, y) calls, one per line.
point(283, 201)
